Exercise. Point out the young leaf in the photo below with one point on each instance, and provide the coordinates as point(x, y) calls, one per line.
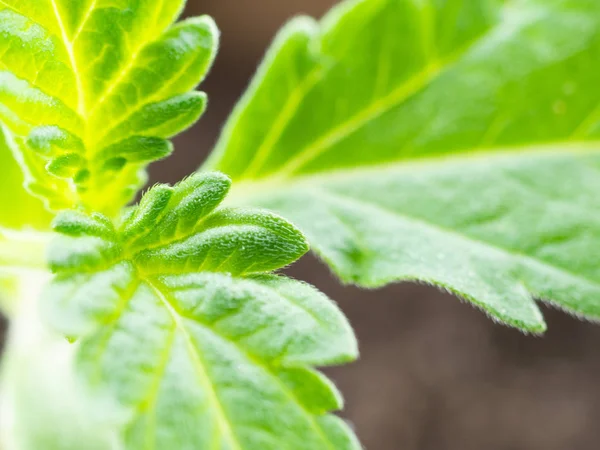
point(91, 91)
point(176, 313)
point(453, 143)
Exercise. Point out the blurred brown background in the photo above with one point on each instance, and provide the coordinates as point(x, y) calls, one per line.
point(435, 374)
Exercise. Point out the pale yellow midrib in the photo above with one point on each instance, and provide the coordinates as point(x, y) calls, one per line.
point(81, 106)
point(275, 132)
point(207, 383)
point(126, 70)
point(245, 188)
point(221, 416)
point(356, 122)
point(397, 96)
point(84, 20)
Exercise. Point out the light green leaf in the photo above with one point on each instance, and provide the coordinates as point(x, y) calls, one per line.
point(19, 208)
point(44, 404)
point(449, 142)
point(91, 90)
point(176, 312)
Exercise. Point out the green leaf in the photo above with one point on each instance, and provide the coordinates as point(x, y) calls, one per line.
point(19, 209)
point(91, 91)
point(176, 312)
point(448, 142)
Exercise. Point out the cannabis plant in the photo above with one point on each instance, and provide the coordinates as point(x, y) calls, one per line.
point(448, 142)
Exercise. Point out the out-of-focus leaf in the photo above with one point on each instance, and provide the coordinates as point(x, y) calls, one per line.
point(449, 142)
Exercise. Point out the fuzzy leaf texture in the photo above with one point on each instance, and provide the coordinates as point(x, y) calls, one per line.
point(177, 313)
point(444, 141)
point(91, 91)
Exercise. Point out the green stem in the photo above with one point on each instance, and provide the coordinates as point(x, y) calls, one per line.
point(23, 250)
point(22, 260)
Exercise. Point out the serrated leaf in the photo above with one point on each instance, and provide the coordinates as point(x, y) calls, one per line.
point(176, 312)
point(449, 142)
point(91, 91)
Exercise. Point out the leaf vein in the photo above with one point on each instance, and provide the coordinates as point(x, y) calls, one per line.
point(396, 97)
point(72, 58)
point(369, 207)
point(178, 315)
